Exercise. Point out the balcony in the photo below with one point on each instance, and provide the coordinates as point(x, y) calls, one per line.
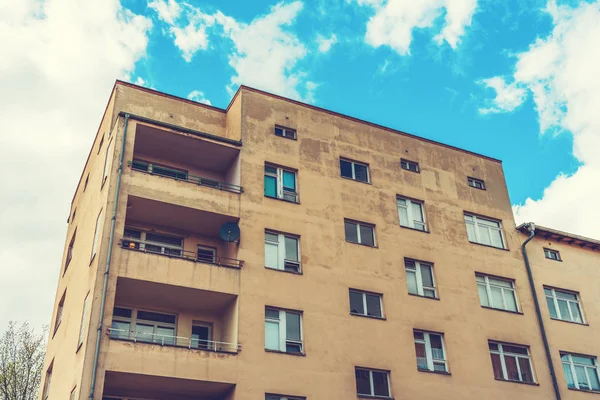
point(125, 386)
point(172, 331)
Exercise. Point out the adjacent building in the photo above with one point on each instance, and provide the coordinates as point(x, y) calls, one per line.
point(276, 250)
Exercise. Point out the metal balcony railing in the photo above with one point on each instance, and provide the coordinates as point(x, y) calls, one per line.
point(137, 245)
point(182, 176)
point(175, 341)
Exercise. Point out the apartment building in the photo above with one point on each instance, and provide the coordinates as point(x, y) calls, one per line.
point(276, 250)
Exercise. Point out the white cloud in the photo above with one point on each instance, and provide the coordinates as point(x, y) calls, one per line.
point(325, 44)
point(168, 10)
point(561, 72)
point(264, 54)
point(394, 21)
point(198, 96)
point(508, 96)
point(56, 73)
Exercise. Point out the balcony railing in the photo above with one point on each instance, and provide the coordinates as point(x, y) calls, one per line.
point(175, 341)
point(182, 176)
point(137, 245)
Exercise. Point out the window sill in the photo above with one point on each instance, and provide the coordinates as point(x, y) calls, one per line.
point(285, 352)
point(583, 390)
point(478, 188)
point(434, 372)
point(284, 200)
point(569, 322)
point(500, 309)
point(490, 246)
point(552, 259)
point(414, 229)
point(519, 382)
point(362, 244)
point(283, 270)
point(424, 297)
point(355, 180)
point(368, 396)
point(368, 316)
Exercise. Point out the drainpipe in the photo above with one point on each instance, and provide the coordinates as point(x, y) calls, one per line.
point(108, 259)
point(531, 227)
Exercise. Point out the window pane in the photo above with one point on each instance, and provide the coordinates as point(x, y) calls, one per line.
point(563, 306)
point(569, 376)
point(271, 256)
point(270, 186)
point(497, 366)
point(565, 295)
point(551, 308)
point(429, 293)
point(380, 384)
point(271, 237)
point(484, 235)
point(421, 356)
point(270, 170)
point(292, 326)
point(582, 360)
point(351, 232)
point(526, 374)
point(366, 235)
point(483, 297)
point(122, 312)
point(360, 172)
point(120, 330)
point(271, 314)
point(363, 381)
point(576, 312)
point(289, 180)
point(511, 301)
point(500, 282)
point(496, 297)
point(403, 212)
point(426, 275)
point(356, 303)
point(373, 305)
point(417, 211)
point(581, 378)
point(165, 335)
point(411, 282)
point(144, 333)
point(278, 131)
point(271, 335)
point(496, 238)
point(291, 248)
point(437, 351)
point(511, 368)
point(515, 349)
point(346, 169)
point(471, 231)
point(593, 375)
point(200, 336)
point(157, 317)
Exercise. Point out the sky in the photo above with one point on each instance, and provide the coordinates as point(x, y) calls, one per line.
point(514, 80)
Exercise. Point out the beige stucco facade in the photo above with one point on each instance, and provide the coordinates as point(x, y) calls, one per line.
point(231, 293)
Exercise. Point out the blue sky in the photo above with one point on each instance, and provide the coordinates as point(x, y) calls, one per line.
point(514, 80)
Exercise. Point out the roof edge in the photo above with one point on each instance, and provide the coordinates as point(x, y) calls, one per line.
point(560, 236)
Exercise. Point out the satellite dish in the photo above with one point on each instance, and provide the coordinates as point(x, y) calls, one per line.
point(229, 232)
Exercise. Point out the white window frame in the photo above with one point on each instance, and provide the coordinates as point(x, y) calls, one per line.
point(371, 383)
point(134, 320)
point(412, 222)
point(557, 308)
point(477, 222)
point(281, 193)
point(96, 236)
point(352, 167)
point(429, 352)
point(280, 397)
point(501, 353)
point(358, 237)
point(473, 182)
point(282, 262)
point(571, 364)
point(143, 242)
point(47, 381)
point(287, 133)
point(405, 165)
point(282, 321)
point(547, 253)
point(488, 290)
point(419, 277)
point(207, 248)
point(364, 301)
point(84, 316)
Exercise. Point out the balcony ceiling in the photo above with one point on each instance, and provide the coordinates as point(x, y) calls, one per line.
point(183, 149)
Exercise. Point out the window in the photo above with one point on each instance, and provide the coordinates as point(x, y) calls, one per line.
point(431, 355)
point(409, 165)
point(285, 132)
point(366, 304)
point(161, 170)
point(70, 250)
point(581, 371)
point(201, 335)
point(354, 170)
point(280, 397)
point(359, 232)
point(74, 213)
point(552, 254)
point(100, 145)
point(282, 252)
point(96, 235)
point(72, 396)
point(87, 178)
point(372, 382)
point(84, 315)
point(106, 163)
point(411, 214)
point(59, 311)
point(511, 362)
point(283, 331)
point(564, 305)
point(419, 278)
point(484, 231)
point(153, 242)
point(207, 254)
point(143, 326)
point(46, 389)
point(476, 183)
point(280, 183)
point(497, 293)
